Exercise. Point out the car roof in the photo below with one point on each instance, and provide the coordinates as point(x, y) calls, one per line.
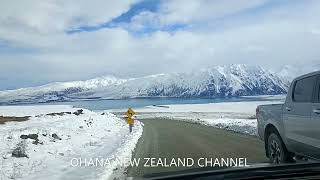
point(307, 75)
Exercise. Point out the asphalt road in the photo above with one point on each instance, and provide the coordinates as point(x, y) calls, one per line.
point(177, 139)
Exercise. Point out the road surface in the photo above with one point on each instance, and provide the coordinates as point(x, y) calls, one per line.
point(177, 139)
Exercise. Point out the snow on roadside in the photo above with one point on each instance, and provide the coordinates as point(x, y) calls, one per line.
point(51, 142)
point(233, 116)
point(124, 152)
point(246, 125)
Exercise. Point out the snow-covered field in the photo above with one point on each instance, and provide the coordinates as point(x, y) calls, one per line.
point(234, 116)
point(49, 143)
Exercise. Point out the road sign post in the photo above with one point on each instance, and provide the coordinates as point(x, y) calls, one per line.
point(129, 119)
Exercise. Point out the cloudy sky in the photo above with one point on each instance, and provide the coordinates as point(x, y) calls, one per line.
point(44, 41)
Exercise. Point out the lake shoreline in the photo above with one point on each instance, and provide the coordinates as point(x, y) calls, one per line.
point(107, 104)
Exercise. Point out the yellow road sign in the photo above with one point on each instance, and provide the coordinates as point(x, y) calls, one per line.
point(130, 120)
point(130, 112)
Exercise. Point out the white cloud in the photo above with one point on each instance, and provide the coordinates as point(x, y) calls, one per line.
point(283, 35)
point(173, 12)
point(29, 20)
point(180, 11)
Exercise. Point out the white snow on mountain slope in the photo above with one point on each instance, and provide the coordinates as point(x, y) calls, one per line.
point(60, 139)
point(65, 86)
point(220, 81)
point(56, 91)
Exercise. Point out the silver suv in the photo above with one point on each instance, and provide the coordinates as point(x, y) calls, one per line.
point(293, 128)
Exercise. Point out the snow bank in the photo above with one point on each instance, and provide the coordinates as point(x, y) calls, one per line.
point(51, 142)
point(234, 116)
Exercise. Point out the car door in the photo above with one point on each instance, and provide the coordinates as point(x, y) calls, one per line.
point(314, 126)
point(297, 114)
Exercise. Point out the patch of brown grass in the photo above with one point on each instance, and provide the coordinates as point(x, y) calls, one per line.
point(4, 119)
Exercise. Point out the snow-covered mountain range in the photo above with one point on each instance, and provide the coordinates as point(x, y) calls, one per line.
point(219, 81)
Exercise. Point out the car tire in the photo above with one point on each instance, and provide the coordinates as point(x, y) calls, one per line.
point(278, 153)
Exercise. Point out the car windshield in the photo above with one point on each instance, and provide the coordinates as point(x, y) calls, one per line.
point(150, 88)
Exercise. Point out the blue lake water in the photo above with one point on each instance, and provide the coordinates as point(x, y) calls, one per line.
point(141, 102)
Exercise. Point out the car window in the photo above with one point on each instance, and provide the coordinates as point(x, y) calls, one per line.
point(317, 91)
point(303, 89)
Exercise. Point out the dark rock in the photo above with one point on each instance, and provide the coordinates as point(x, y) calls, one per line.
point(81, 127)
point(58, 114)
point(78, 112)
point(36, 142)
point(55, 136)
point(54, 114)
point(24, 136)
point(30, 136)
point(20, 151)
point(33, 136)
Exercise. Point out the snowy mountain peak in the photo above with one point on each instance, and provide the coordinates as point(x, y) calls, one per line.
point(215, 82)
